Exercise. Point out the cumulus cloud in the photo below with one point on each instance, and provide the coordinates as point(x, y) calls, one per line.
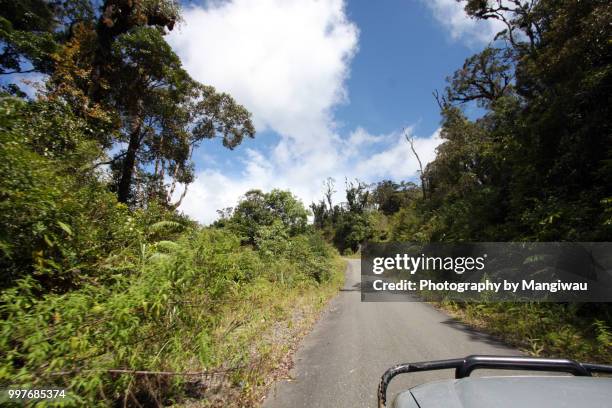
point(451, 15)
point(387, 156)
point(287, 62)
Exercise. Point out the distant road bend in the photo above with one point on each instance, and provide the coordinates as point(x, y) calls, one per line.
point(340, 362)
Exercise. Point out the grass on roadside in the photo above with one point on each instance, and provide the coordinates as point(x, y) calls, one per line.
point(577, 331)
point(351, 255)
point(190, 318)
point(265, 325)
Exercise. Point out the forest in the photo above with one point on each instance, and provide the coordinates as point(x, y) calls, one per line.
point(535, 165)
point(102, 275)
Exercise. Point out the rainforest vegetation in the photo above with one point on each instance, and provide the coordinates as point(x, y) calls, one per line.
point(534, 165)
point(102, 275)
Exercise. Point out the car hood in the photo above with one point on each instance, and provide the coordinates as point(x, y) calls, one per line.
point(506, 392)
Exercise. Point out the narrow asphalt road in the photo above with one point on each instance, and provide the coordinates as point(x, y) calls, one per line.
point(340, 362)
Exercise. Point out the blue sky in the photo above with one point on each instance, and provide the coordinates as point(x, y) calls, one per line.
point(331, 85)
point(404, 54)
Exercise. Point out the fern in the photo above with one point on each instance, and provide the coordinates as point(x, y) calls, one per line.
point(166, 225)
point(604, 335)
point(167, 246)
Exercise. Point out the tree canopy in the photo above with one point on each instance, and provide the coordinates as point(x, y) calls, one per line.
point(536, 165)
point(113, 67)
point(533, 164)
point(258, 209)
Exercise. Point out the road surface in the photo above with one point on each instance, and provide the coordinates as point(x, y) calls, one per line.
point(340, 362)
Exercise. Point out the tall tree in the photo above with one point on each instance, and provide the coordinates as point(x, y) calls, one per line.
point(390, 196)
point(536, 164)
point(118, 72)
point(164, 115)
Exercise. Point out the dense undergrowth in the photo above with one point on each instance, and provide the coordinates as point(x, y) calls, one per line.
point(578, 331)
point(164, 315)
point(90, 285)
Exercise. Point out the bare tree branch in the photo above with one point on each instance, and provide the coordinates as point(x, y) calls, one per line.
point(440, 100)
point(180, 200)
point(28, 71)
point(329, 190)
point(410, 141)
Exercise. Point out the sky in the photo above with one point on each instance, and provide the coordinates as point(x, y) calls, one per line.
point(332, 86)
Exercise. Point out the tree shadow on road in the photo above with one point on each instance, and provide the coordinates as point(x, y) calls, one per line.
point(478, 335)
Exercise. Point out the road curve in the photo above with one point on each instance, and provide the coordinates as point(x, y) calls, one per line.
point(340, 362)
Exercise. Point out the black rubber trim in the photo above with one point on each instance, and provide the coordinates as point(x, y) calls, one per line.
point(464, 367)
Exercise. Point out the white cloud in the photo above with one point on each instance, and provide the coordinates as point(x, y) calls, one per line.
point(398, 161)
point(452, 16)
point(361, 139)
point(287, 62)
point(391, 158)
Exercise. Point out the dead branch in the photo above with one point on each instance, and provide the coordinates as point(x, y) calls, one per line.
point(410, 141)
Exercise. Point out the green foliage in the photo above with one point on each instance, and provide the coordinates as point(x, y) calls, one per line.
point(145, 319)
point(484, 78)
point(57, 218)
point(277, 210)
point(389, 197)
point(578, 331)
point(26, 32)
point(114, 68)
point(90, 285)
point(371, 212)
point(380, 225)
point(165, 115)
point(32, 32)
point(406, 224)
point(350, 224)
point(536, 165)
point(351, 230)
point(42, 198)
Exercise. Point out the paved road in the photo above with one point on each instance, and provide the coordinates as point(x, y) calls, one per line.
point(340, 362)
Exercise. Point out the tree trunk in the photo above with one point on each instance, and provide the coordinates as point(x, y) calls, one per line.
point(129, 163)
